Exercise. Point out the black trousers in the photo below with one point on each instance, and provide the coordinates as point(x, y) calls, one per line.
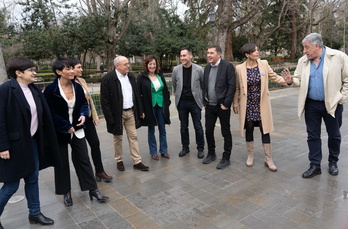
point(315, 112)
point(82, 166)
point(211, 115)
point(93, 141)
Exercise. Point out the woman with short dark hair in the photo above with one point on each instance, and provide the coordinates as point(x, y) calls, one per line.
point(28, 142)
point(155, 100)
point(69, 110)
point(252, 102)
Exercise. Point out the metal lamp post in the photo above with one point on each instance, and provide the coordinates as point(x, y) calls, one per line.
point(212, 19)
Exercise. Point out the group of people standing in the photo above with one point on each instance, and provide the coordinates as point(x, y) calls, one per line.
point(36, 128)
point(216, 88)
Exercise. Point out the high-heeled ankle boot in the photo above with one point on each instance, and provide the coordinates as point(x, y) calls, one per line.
point(250, 148)
point(96, 193)
point(67, 199)
point(103, 176)
point(268, 160)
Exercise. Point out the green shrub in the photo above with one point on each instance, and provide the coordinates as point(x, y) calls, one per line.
point(96, 100)
point(95, 79)
point(272, 84)
point(202, 60)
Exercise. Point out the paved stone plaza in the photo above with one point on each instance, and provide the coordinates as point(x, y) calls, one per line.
point(183, 193)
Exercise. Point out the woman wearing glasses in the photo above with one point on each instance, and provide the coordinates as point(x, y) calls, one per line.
point(28, 141)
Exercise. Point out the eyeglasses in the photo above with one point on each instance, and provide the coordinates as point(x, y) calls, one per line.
point(30, 69)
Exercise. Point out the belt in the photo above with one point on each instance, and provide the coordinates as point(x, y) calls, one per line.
point(315, 100)
point(127, 109)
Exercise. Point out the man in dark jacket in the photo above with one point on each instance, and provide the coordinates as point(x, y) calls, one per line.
point(121, 107)
point(219, 89)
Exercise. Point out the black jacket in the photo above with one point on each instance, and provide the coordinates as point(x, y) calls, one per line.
point(111, 100)
point(145, 92)
point(225, 85)
point(59, 109)
point(15, 118)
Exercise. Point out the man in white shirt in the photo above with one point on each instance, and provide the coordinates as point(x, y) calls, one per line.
point(121, 107)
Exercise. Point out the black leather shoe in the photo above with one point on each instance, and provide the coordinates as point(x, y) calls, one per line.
point(183, 152)
point(200, 154)
point(67, 199)
point(41, 219)
point(312, 171)
point(140, 166)
point(96, 194)
point(333, 170)
point(1, 227)
point(209, 159)
point(223, 163)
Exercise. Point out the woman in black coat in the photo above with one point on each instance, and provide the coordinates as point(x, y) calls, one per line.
point(28, 142)
point(69, 109)
point(155, 102)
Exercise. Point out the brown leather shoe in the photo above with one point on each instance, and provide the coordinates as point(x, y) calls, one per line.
point(103, 176)
point(165, 155)
point(155, 157)
point(120, 166)
point(140, 166)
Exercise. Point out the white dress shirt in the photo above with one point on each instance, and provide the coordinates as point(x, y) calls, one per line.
point(127, 90)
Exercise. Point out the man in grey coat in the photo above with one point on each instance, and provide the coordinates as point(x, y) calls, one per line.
point(187, 81)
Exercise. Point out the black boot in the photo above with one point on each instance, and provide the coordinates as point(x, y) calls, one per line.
point(67, 199)
point(41, 219)
point(96, 193)
point(209, 158)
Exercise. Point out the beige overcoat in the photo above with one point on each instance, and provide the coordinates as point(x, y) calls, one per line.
point(241, 95)
point(93, 111)
point(335, 74)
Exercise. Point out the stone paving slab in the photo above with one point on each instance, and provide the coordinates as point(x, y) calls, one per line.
point(184, 193)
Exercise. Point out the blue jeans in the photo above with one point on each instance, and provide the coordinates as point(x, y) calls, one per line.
point(31, 188)
point(185, 107)
point(315, 111)
point(162, 133)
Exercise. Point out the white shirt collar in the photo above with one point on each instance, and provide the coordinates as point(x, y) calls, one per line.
point(119, 74)
point(217, 63)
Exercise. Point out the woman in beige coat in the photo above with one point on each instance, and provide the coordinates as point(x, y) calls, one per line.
point(252, 102)
point(90, 125)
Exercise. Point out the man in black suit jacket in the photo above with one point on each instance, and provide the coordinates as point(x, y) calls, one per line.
point(219, 89)
point(121, 107)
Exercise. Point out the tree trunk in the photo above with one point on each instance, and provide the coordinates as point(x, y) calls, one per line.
point(228, 49)
point(293, 34)
point(3, 73)
point(119, 14)
point(225, 13)
point(225, 25)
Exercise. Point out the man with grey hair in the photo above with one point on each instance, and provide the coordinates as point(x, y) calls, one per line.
point(120, 102)
point(322, 75)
